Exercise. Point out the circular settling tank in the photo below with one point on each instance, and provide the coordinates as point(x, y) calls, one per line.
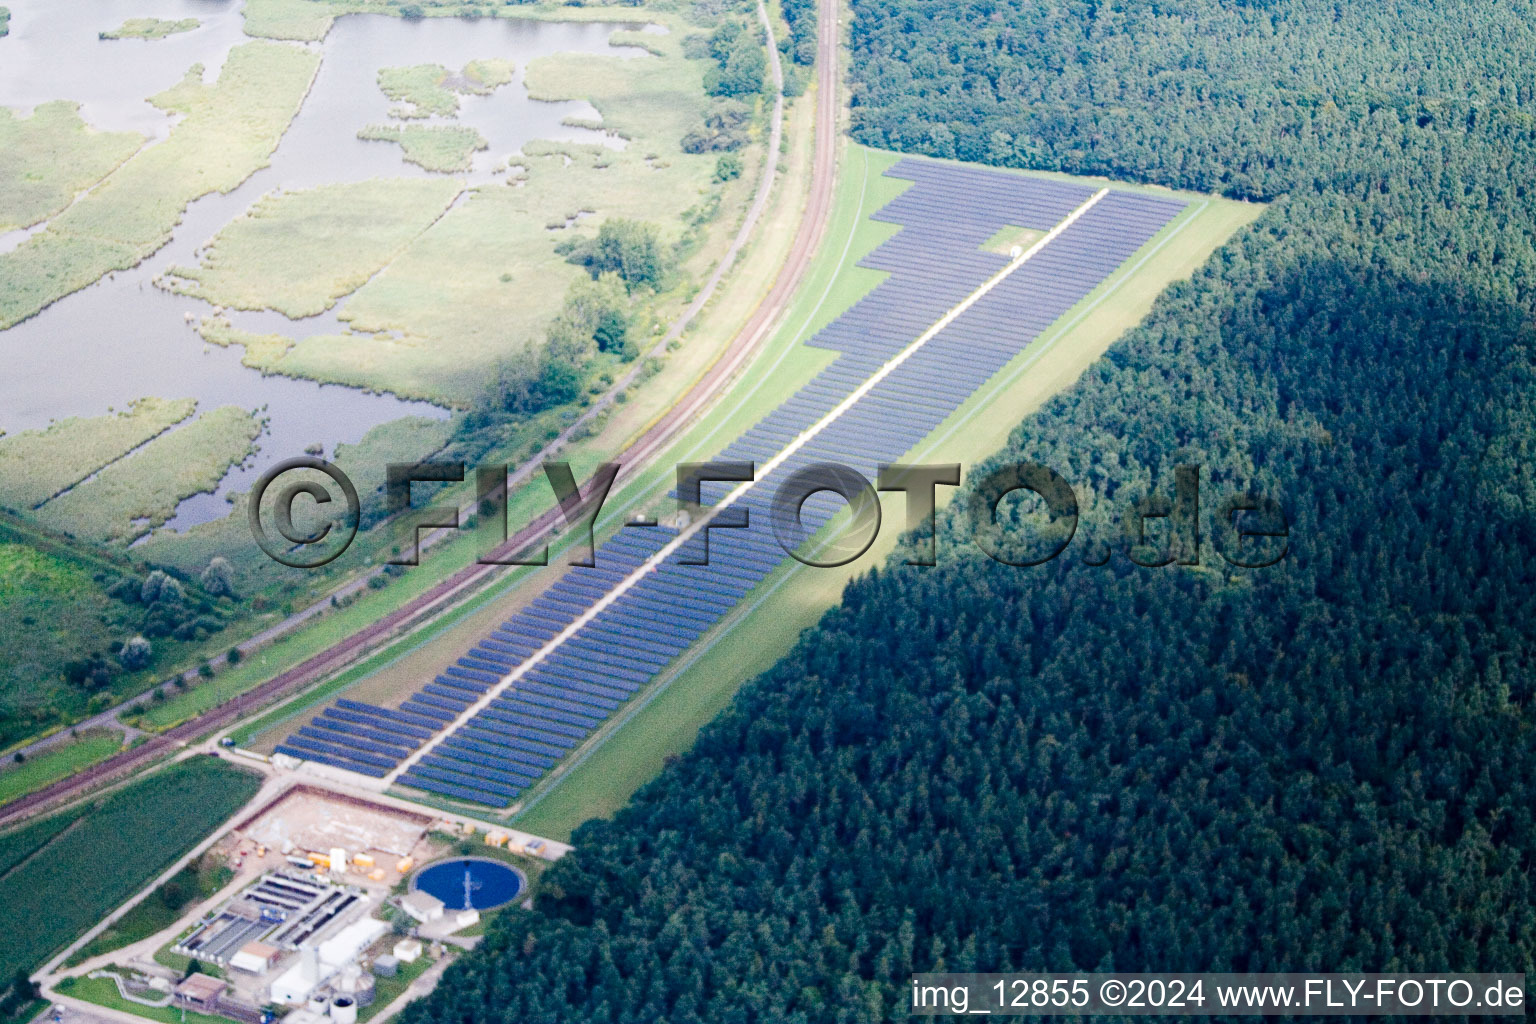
point(470, 883)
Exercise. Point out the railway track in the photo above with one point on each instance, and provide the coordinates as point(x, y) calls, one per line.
point(650, 444)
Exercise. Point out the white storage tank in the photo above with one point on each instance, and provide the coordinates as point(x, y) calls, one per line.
point(356, 984)
point(344, 1010)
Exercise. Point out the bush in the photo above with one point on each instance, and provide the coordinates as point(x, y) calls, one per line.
point(219, 578)
point(149, 591)
point(728, 167)
point(90, 673)
point(630, 248)
point(742, 71)
point(724, 128)
point(136, 654)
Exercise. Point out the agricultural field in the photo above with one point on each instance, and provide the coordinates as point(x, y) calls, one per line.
point(37, 465)
point(228, 131)
point(50, 156)
point(135, 495)
point(160, 909)
point(150, 28)
point(62, 880)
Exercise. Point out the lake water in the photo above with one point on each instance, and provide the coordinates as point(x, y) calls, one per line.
point(122, 338)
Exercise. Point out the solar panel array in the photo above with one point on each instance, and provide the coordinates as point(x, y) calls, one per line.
point(933, 263)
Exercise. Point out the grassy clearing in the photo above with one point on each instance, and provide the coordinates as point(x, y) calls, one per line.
point(150, 28)
point(109, 850)
point(228, 131)
point(420, 89)
point(141, 492)
point(49, 158)
point(483, 76)
point(1011, 236)
point(298, 252)
point(57, 762)
point(54, 610)
point(57, 607)
point(300, 21)
point(160, 909)
point(431, 90)
point(795, 597)
point(36, 465)
point(261, 351)
point(444, 148)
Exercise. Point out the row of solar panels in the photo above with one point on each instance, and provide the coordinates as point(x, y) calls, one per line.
point(934, 262)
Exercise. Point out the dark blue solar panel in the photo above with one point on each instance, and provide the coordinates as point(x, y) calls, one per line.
point(443, 715)
point(504, 773)
point(933, 262)
point(343, 753)
point(384, 725)
point(479, 796)
point(540, 762)
point(334, 762)
point(349, 741)
point(378, 712)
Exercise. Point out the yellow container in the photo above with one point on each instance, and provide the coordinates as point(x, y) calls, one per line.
point(405, 864)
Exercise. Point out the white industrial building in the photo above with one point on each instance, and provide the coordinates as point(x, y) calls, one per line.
point(423, 906)
point(318, 965)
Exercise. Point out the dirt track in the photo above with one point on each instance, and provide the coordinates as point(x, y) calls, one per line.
point(633, 459)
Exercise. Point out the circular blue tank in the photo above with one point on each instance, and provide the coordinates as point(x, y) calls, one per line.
point(470, 883)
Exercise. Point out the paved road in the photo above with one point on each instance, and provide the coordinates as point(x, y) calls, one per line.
point(77, 1011)
point(655, 440)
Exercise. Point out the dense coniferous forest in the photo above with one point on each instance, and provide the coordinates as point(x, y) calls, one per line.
point(1326, 764)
